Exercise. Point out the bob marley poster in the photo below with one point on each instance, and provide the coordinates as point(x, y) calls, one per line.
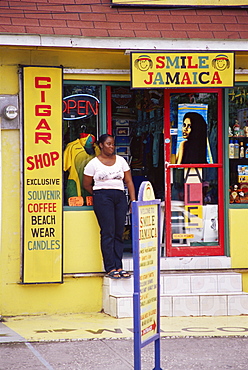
point(192, 140)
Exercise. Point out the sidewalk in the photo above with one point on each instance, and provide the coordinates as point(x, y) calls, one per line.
point(102, 326)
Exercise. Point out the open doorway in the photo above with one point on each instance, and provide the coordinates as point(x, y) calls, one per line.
point(137, 122)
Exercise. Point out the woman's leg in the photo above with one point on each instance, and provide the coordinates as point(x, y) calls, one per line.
point(120, 217)
point(104, 208)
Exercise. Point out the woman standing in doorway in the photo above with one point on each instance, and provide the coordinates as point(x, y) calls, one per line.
point(103, 177)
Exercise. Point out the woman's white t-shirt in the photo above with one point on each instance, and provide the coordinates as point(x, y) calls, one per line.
point(107, 177)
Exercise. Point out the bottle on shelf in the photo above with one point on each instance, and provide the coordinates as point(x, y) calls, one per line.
point(241, 150)
point(231, 149)
point(246, 151)
point(236, 149)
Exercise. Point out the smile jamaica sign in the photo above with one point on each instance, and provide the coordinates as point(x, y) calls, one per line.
point(163, 70)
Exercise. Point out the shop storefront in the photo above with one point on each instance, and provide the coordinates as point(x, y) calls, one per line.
point(203, 200)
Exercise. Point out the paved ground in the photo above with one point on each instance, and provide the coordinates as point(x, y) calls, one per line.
point(100, 342)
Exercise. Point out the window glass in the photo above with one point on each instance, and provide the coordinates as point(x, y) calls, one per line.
point(238, 144)
point(194, 191)
point(81, 107)
point(194, 207)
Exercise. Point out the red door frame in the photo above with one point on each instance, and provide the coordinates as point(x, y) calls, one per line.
point(216, 250)
point(108, 109)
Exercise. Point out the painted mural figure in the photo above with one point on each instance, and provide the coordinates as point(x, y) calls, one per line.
point(193, 149)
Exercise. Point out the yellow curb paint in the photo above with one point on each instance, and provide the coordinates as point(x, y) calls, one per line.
point(204, 326)
point(69, 327)
point(99, 326)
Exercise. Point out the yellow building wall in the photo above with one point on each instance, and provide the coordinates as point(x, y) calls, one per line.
point(238, 227)
point(82, 243)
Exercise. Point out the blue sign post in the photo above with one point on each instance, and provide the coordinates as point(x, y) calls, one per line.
point(146, 257)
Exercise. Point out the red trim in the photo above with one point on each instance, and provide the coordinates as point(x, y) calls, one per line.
point(220, 174)
point(221, 58)
point(109, 110)
point(217, 165)
point(167, 172)
point(195, 250)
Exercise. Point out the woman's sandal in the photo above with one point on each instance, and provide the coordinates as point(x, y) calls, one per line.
point(124, 274)
point(114, 275)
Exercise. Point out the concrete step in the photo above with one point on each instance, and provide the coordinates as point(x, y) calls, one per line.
point(185, 263)
point(191, 294)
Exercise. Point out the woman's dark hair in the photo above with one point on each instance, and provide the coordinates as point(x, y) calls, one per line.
point(103, 138)
point(195, 148)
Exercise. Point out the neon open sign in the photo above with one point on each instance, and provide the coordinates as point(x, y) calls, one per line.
point(80, 106)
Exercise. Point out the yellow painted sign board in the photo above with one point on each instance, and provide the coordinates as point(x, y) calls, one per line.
point(170, 3)
point(148, 236)
point(42, 175)
point(164, 70)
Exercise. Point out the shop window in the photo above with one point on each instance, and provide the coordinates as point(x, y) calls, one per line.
point(238, 144)
point(81, 107)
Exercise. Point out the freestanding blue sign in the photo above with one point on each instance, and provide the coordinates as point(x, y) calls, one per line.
point(146, 257)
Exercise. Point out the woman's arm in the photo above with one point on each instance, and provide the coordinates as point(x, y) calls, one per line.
point(88, 183)
point(130, 186)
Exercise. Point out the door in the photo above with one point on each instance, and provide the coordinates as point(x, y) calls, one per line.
point(194, 214)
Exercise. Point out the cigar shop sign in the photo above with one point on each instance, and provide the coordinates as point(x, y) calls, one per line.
point(42, 175)
point(164, 70)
